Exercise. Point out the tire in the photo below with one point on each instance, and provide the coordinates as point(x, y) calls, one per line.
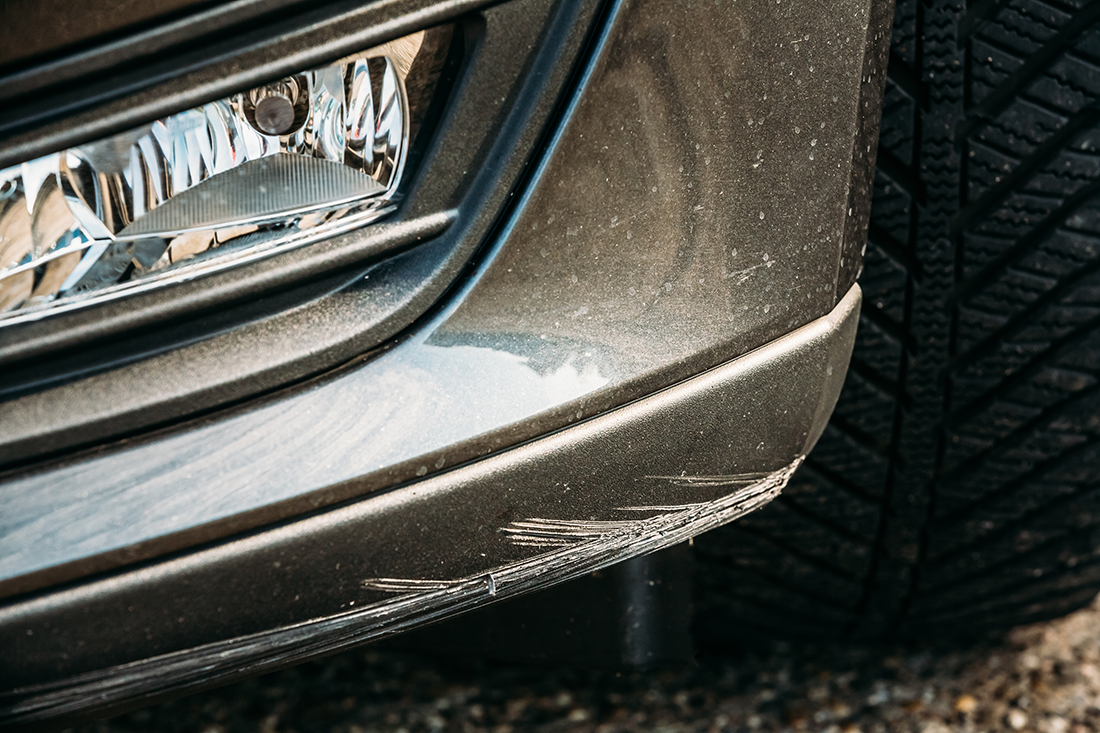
point(957, 488)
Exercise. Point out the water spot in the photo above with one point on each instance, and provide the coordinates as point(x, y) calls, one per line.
point(573, 279)
point(654, 189)
point(813, 142)
point(761, 214)
point(421, 471)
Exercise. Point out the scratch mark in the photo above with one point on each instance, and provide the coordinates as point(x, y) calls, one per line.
point(405, 585)
point(745, 274)
point(576, 546)
point(661, 508)
point(732, 479)
point(566, 533)
point(415, 602)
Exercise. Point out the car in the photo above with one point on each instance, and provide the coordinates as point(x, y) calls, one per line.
point(326, 321)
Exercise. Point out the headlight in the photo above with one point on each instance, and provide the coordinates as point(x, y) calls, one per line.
point(270, 168)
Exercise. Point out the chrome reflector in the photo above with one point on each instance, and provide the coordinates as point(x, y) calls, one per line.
point(273, 167)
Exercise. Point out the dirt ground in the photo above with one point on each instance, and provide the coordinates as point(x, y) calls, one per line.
point(1043, 678)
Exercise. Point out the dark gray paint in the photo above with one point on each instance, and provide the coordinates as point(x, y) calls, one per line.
point(865, 149)
point(758, 86)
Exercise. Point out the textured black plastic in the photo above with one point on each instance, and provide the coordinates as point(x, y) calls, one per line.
point(956, 488)
point(44, 33)
point(144, 75)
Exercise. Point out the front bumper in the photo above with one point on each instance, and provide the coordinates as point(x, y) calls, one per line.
point(650, 334)
point(628, 482)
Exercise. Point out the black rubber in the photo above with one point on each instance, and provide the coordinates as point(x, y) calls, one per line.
point(957, 489)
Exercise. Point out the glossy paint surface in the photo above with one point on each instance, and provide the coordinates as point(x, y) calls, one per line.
point(690, 210)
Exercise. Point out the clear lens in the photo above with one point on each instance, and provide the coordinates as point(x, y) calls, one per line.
point(274, 167)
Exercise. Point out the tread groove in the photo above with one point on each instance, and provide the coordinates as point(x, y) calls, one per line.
point(825, 524)
point(1025, 169)
point(1023, 245)
point(894, 249)
point(901, 174)
point(998, 100)
point(885, 385)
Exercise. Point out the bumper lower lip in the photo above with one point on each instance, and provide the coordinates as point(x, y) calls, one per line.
point(625, 483)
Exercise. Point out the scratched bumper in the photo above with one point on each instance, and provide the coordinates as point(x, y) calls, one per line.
point(629, 482)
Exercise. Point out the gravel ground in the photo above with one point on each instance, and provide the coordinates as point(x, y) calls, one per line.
point(1042, 678)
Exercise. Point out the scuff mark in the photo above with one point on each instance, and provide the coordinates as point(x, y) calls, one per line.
point(405, 585)
point(590, 546)
point(732, 479)
point(577, 546)
point(548, 533)
point(561, 532)
point(744, 275)
point(586, 534)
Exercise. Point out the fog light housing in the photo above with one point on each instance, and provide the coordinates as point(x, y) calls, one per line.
point(271, 168)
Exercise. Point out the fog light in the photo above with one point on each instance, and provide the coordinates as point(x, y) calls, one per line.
point(249, 175)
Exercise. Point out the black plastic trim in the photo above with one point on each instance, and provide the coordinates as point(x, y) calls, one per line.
point(57, 111)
